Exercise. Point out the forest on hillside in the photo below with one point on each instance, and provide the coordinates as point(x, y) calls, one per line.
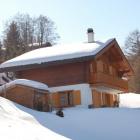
point(23, 33)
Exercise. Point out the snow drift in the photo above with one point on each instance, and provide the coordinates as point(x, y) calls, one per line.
point(131, 100)
point(18, 125)
point(79, 123)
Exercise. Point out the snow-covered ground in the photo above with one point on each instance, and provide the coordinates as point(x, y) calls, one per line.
point(18, 125)
point(130, 100)
point(87, 124)
point(21, 123)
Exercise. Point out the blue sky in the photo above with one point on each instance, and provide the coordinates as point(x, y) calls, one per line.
point(109, 18)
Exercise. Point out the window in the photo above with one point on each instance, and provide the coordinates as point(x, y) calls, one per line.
point(66, 98)
point(63, 99)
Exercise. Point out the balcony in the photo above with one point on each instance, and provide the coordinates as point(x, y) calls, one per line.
point(105, 79)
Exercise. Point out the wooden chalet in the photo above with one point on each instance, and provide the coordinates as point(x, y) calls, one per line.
point(88, 74)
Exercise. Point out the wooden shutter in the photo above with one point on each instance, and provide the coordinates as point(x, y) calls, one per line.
point(76, 97)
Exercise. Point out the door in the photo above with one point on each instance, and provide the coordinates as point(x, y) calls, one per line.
point(96, 98)
point(38, 102)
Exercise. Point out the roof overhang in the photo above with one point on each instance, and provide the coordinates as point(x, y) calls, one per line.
point(45, 64)
point(51, 63)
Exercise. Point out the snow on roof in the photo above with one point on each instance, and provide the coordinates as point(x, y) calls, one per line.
point(25, 82)
point(57, 52)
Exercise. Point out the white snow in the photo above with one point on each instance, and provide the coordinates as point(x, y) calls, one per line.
point(57, 52)
point(92, 124)
point(131, 100)
point(16, 124)
point(25, 82)
point(21, 123)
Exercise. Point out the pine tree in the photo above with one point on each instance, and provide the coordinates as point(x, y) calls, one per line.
point(24, 33)
point(12, 42)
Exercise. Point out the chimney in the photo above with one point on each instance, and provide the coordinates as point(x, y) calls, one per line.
point(90, 34)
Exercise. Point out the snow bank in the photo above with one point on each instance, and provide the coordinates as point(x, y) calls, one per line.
point(21, 123)
point(25, 82)
point(18, 125)
point(57, 52)
point(92, 124)
point(130, 100)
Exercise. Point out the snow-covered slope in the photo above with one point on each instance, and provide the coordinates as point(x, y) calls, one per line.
point(21, 123)
point(18, 125)
point(131, 100)
point(92, 124)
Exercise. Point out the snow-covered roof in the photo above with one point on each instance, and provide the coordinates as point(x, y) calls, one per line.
point(25, 82)
point(56, 53)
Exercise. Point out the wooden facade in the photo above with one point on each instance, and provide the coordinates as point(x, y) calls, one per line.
point(65, 74)
point(66, 99)
point(104, 99)
point(27, 96)
point(93, 72)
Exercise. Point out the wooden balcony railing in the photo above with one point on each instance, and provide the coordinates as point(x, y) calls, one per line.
point(102, 78)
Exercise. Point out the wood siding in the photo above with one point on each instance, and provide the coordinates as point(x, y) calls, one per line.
point(56, 98)
point(21, 95)
point(108, 71)
point(65, 74)
point(96, 98)
point(103, 99)
point(77, 97)
point(108, 80)
point(26, 96)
